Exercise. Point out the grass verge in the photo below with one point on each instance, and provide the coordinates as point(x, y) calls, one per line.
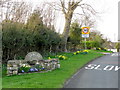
point(53, 79)
point(103, 51)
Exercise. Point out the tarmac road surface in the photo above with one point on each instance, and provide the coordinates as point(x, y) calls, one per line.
point(100, 73)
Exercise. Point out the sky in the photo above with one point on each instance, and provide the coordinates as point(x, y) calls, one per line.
point(106, 21)
point(108, 24)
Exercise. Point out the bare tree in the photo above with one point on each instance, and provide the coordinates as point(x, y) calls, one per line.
point(88, 21)
point(16, 11)
point(20, 11)
point(68, 7)
point(2, 6)
point(47, 12)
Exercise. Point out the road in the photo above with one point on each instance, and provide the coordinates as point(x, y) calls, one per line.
point(100, 73)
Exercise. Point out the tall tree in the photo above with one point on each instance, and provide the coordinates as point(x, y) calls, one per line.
point(68, 10)
point(47, 11)
point(20, 11)
point(15, 11)
point(117, 46)
point(34, 21)
point(75, 34)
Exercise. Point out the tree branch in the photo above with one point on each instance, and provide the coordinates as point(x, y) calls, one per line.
point(88, 7)
point(63, 6)
point(75, 4)
point(79, 14)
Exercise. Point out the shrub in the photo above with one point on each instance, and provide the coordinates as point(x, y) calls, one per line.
point(62, 57)
point(24, 68)
point(98, 48)
point(18, 40)
point(81, 52)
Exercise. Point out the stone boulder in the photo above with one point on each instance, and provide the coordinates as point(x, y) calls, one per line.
point(33, 56)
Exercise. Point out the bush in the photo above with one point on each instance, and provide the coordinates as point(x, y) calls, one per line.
point(81, 52)
point(61, 57)
point(91, 44)
point(19, 40)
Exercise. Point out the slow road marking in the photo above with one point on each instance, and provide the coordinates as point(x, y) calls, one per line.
point(115, 54)
point(99, 67)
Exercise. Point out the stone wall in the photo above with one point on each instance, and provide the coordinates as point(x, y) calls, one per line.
point(33, 63)
point(25, 66)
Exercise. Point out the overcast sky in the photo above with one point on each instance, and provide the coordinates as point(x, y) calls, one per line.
point(107, 22)
point(108, 25)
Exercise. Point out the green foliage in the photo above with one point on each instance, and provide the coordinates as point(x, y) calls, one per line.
point(23, 69)
point(34, 21)
point(62, 57)
point(54, 79)
point(13, 38)
point(74, 36)
point(4, 70)
point(91, 44)
point(19, 39)
point(95, 41)
point(75, 33)
point(75, 40)
point(117, 45)
point(81, 52)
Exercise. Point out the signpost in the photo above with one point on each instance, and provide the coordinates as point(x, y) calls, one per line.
point(85, 33)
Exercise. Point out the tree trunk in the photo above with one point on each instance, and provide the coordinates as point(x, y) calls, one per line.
point(118, 49)
point(50, 48)
point(68, 19)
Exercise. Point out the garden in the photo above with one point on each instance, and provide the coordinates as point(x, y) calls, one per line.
point(34, 29)
point(70, 63)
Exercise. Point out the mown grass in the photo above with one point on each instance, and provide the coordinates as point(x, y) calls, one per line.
point(53, 79)
point(103, 51)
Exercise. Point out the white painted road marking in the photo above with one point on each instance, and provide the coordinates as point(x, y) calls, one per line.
point(108, 68)
point(115, 54)
point(105, 68)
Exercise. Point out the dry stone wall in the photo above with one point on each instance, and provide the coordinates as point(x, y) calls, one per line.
point(35, 64)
